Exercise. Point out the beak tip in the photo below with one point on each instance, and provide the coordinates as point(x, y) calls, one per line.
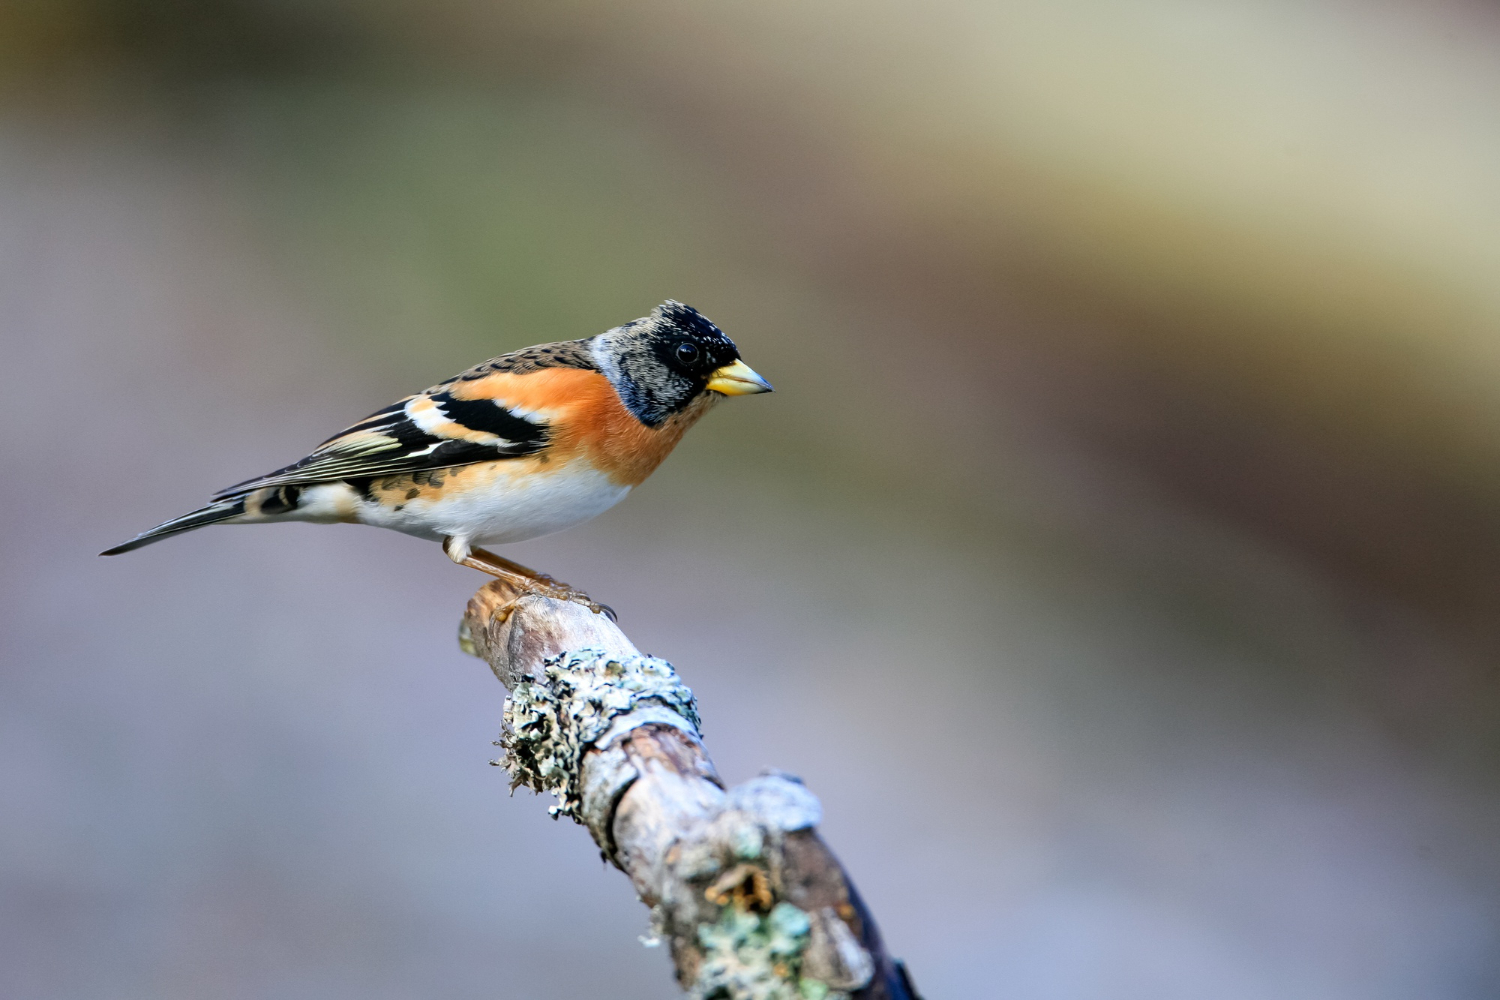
point(738, 379)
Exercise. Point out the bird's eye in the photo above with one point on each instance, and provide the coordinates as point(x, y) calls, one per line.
point(687, 353)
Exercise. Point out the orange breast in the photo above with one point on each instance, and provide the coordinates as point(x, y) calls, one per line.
point(586, 418)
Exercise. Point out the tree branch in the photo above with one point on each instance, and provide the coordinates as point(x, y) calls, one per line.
point(752, 903)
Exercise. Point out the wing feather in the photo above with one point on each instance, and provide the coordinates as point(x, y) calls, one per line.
point(428, 431)
point(433, 429)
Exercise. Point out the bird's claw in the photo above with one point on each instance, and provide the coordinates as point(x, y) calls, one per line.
point(548, 587)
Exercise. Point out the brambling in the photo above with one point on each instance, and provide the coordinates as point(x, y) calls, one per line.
point(518, 447)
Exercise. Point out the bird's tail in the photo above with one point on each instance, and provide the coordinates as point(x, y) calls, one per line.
point(219, 510)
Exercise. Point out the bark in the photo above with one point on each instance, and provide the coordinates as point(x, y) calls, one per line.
point(752, 903)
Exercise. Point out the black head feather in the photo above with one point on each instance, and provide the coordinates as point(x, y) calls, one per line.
point(662, 362)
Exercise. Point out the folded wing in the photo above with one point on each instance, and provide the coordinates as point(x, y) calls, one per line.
point(431, 430)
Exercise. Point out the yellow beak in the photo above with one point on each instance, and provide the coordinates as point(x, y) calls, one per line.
point(738, 379)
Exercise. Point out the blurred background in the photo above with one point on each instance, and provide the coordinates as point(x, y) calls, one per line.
point(1118, 559)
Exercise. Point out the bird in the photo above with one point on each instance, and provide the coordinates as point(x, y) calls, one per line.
point(517, 447)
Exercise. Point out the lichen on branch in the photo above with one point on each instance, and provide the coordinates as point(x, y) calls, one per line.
point(758, 957)
point(552, 721)
point(751, 902)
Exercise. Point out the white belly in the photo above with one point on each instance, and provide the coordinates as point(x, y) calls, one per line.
point(500, 502)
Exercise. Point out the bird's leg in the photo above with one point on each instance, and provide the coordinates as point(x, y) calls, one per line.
point(523, 578)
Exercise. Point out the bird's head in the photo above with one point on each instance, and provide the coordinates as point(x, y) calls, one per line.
point(661, 363)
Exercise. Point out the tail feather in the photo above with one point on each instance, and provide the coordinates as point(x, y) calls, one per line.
point(221, 510)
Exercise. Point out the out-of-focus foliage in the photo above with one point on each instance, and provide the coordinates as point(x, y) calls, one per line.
point(1119, 557)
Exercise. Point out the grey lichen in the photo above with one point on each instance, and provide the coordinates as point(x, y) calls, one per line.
point(552, 721)
point(754, 956)
point(721, 891)
point(777, 800)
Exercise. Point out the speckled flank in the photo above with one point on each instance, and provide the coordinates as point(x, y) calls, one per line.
point(321, 503)
point(490, 503)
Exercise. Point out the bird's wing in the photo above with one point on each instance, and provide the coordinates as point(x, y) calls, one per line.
point(431, 430)
point(467, 419)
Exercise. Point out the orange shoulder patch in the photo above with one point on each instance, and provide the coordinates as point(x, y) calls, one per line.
point(548, 391)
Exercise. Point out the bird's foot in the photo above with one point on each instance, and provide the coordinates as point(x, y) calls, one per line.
point(523, 579)
point(559, 591)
